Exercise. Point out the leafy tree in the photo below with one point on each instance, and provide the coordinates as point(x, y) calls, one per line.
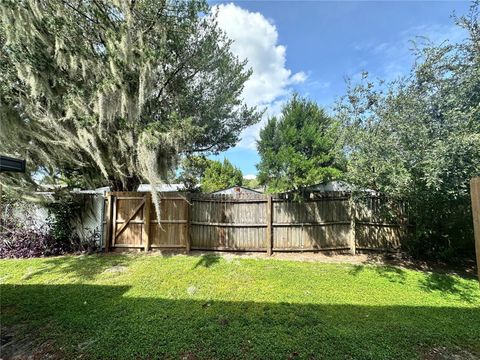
point(116, 88)
point(299, 148)
point(192, 169)
point(220, 175)
point(418, 139)
point(251, 183)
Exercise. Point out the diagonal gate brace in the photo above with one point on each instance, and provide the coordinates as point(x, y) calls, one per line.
point(125, 224)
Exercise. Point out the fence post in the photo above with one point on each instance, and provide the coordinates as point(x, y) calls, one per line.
point(475, 195)
point(146, 221)
point(188, 240)
point(353, 244)
point(1, 211)
point(269, 230)
point(108, 235)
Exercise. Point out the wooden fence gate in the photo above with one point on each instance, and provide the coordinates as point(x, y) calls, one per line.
point(131, 221)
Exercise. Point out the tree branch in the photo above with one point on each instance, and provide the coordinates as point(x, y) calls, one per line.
point(102, 10)
point(83, 14)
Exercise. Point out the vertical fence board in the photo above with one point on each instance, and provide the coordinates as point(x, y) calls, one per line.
point(114, 221)
point(108, 224)
point(146, 221)
point(475, 196)
point(188, 229)
point(269, 231)
point(353, 239)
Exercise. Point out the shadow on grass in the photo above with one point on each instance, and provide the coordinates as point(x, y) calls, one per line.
point(466, 291)
point(207, 260)
point(391, 273)
point(445, 283)
point(465, 268)
point(92, 321)
point(83, 267)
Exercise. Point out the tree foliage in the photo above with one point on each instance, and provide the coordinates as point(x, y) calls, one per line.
point(220, 175)
point(116, 90)
point(251, 183)
point(418, 138)
point(192, 169)
point(299, 148)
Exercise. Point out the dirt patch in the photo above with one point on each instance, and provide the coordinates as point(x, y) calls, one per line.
point(442, 353)
point(16, 344)
point(13, 345)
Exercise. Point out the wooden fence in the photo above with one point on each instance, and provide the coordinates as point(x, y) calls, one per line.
point(475, 196)
point(250, 222)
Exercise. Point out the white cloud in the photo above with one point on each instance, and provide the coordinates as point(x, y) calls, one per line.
point(256, 39)
point(299, 78)
point(250, 177)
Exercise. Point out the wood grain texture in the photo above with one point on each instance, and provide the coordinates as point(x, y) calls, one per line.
point(475, 196)
point(252, 223)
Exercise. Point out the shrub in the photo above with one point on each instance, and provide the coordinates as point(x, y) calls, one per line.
point(62, 215)
point(21, 236)
point(24, 240)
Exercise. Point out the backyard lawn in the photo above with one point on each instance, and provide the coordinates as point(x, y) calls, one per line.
point(210, 307)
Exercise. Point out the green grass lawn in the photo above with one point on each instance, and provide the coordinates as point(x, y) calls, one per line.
point(136, 306)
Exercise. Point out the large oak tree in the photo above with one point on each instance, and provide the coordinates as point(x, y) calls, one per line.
point(116, 91)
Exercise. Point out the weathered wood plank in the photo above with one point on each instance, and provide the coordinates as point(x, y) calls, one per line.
point(311, 223)
point(269, 232)
point(130, 217)
point(475, 197)
point(310, 249)
point(169, 221)
point(227, 224)
point(146, 221)
point(237, 201)
point(114, 220)
point(353, 214)
point(168, 246)
point(188, 239)
point(224, 248)
point(108, 222)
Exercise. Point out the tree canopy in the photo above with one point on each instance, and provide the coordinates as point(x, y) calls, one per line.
point(192, 169)
point(220, 175)
point(418, 138)
point(199, 173)
point(298, 148)
point(116, 90)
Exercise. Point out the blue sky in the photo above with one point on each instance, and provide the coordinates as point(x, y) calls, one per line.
point(312, 46)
